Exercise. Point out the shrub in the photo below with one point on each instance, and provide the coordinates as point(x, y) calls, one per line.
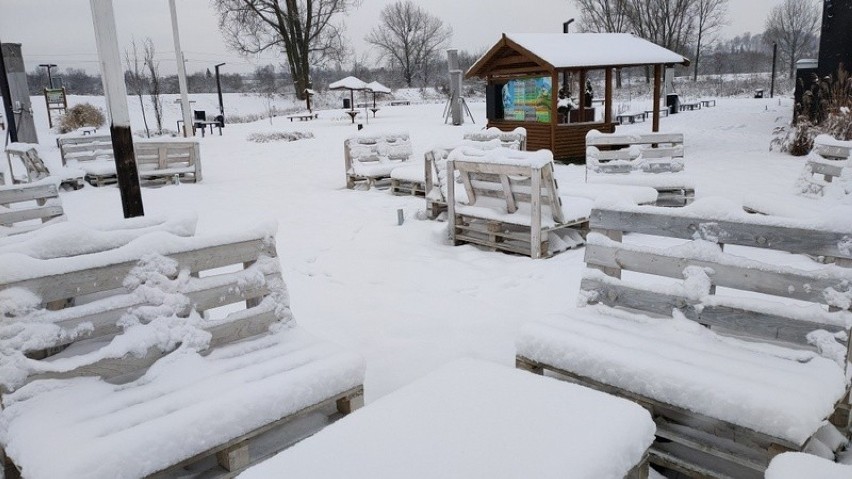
point(78, 116)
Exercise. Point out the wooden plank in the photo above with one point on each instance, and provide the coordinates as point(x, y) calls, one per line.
point(511, 207)
point(774, 327)
point(742, 233)
point(86, 281)
point(640, 139)
point(819, 168)
point(39, 212)
point(451, 200)
point(801, 285)
point(20, 193)
point(468, 187)
point(535, 210)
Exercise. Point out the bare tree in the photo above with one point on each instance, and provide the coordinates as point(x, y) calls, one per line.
point(409, 38)
point(303, 29)
point(793, 26)
point(135, 78)
point(709, 16)
point(603, 16)
point(155, 82)
point(667, 23)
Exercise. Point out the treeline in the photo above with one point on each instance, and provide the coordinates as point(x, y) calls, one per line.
point(79, 82)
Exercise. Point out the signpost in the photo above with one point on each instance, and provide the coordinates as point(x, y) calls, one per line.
point(56, 100)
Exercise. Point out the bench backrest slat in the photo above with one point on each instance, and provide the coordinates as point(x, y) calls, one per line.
point(761, 312)
point(22, 203)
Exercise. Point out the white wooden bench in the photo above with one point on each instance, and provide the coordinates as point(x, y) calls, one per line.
point(303, 116)
point(187, 362)
point(824, 184)
point(35, 168)
point(475, 419)
point(648, 159)
point(85, 147)
point(157, 161)
point(664, 320)
point(26, 207)
point(369, 158)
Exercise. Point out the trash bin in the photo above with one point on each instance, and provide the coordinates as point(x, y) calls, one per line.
point(347, 105)
point(758, 93)
point(220, 119)
point(673, 102)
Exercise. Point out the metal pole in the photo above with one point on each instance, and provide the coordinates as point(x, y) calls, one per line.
point(7, 98)
point(49, 67)
point(774, 57)
point(219, 91)
point(112, 75)
point(181, 69)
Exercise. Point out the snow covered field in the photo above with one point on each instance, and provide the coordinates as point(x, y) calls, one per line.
point(401, 295)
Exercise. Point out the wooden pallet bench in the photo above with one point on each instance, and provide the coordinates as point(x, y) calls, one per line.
point(157, 161)
point(816, 191)
point(303, 117)
point(369, 158)
point(408, 180)
point(184, 363)
point(707, 102)
point(630, 117)
point(510, 202)
point(513, 140)
point(85, 147)
point(664, 111)
point(27, 154)
point(696, 105)
point(663, 324)
point(466, 414)
point(27, 207)
point(649, 159)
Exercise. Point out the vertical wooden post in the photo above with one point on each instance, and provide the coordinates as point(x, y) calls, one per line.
point(112, 76)
point(581, 96)
point(451, 200)
point(608, 96)
point(658, 73)
point(554, 115)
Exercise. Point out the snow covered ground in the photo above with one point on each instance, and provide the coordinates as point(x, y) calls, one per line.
point(401, 295)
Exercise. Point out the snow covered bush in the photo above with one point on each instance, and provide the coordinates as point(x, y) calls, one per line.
point(78, 116)
point(279, 136)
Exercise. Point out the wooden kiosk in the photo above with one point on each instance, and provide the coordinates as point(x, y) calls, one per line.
point(523, 73)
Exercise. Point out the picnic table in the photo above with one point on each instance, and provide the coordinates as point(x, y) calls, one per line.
point(631, 117)
point(696, 105)
point(352, 114)
point(303, 116)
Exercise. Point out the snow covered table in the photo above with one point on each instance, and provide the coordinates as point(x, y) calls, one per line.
point(473, 419)
point(651, 159)
point(722, 405)
point(164, 353)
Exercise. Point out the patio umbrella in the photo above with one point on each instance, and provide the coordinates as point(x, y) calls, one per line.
point(376, 87)
point(349, 83)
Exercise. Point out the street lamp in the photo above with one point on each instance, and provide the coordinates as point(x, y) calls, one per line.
point(565, 25)
point(49, 66)
point(219, 91)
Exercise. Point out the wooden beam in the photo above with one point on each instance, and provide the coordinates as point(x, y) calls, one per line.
point(581, 96)
point(608, 96)
point(658, 73)
point(554, 113)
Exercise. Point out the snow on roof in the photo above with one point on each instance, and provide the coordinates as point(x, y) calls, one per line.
point(377, 87)
point(348, 83)
point(594, 49)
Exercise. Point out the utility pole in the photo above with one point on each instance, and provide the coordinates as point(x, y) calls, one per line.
point(7, 99)
point(774, 57)
point(219, 91)
point(181, 68)
point(49, 66)
point(112, 76)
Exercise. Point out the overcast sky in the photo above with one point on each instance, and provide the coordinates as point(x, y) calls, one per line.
point(61, 32)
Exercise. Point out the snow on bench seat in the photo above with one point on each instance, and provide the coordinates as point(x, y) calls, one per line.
point(473, 419)
point(141, 354)
point(717, 321)
point(797, 465)
point(184, 405)
point(409, 179)
point(783, 393)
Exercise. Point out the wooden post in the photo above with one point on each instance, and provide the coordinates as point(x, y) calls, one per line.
point(554, 115)
point(581, 96)
point(188, 129)
point(112, 76)
point(608, 96)
point(658, 73)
